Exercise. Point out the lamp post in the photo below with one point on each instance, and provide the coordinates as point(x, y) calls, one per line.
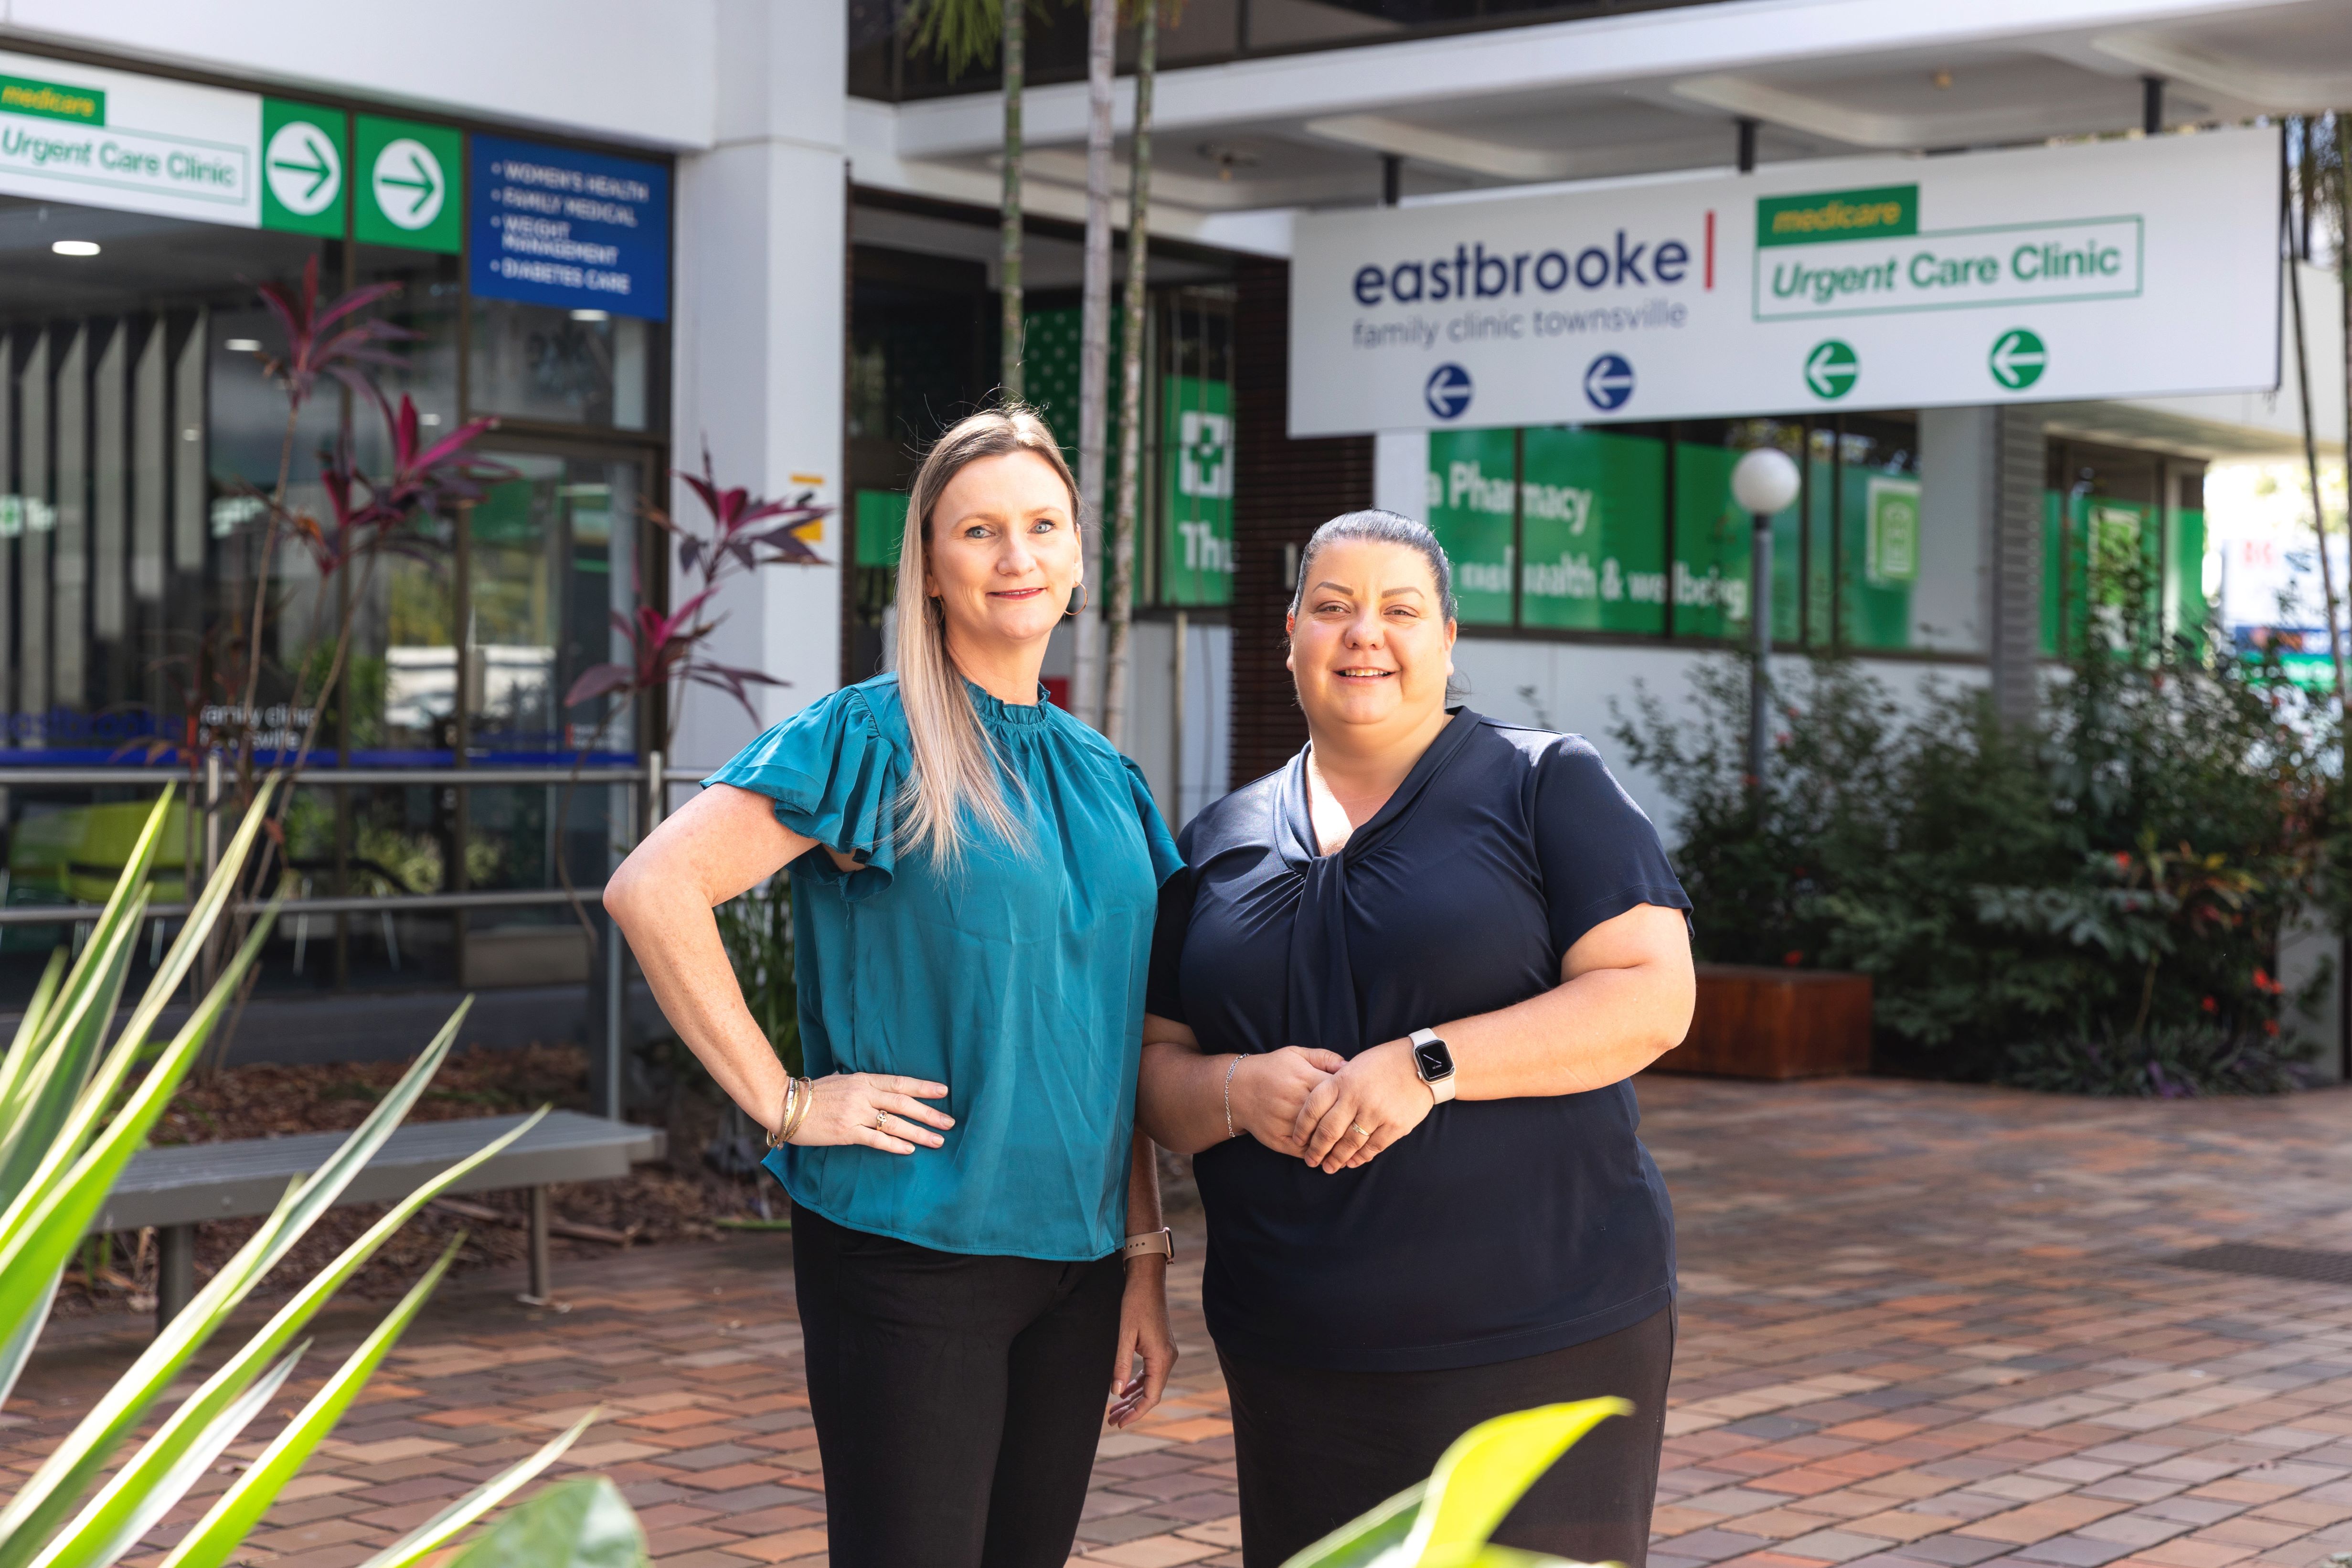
point(1763, 482)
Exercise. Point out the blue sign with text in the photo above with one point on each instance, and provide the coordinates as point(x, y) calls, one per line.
point(553, 225)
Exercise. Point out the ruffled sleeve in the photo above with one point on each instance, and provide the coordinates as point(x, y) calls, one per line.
point(835, 776)
point(1166, 859)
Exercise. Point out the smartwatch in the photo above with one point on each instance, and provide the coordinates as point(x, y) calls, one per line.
point(1434, 1063)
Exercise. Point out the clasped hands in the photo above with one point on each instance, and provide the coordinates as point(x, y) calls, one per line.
point(1335, 1112)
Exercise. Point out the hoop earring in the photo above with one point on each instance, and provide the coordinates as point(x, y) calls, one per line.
point(1080, 607)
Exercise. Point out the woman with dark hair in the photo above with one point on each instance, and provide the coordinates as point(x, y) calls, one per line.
point(1395, 998)
point(973, 875)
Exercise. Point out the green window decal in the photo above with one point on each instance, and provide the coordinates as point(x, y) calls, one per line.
point(1593, 505)
point(1196, 564)
point(1472, 476)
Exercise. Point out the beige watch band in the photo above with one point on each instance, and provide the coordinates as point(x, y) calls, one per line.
point(1161, 1241)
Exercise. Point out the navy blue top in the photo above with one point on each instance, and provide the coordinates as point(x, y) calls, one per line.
point(1496, 1229)
point(1015, 978)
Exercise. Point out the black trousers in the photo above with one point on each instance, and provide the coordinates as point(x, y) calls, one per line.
point(1314, 1449)
point(957, 1399)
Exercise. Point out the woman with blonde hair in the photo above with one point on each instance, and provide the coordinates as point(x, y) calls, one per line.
point(976, 1231)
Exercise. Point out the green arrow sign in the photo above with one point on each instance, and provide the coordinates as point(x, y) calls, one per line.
point(303, 189)
point(2017, 359)
point(412, 185)
point(1831, 369)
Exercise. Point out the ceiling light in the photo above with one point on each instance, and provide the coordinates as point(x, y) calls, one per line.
point(587, 315)
point(75, 247)
point(1228, 157)
point(243, 345)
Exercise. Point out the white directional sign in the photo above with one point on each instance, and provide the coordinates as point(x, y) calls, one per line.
point(2127, 268)
point(409, 182)
point(303, 168)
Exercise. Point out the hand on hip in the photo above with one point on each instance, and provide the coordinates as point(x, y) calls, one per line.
point(881, 1111)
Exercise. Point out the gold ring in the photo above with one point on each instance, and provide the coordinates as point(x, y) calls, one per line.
point(1361, 1128)
point(879, 1117)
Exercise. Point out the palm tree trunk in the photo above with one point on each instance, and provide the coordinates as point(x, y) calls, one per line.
point(1009, 256)
point(1120, 594)
point(1094, 353)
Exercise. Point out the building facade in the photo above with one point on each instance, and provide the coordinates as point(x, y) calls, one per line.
point(804, 205)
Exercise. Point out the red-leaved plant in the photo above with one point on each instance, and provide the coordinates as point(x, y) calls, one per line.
point(667, 651)
point(370, 516)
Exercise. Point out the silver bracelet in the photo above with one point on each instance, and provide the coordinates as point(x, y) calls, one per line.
point(1229, 1095)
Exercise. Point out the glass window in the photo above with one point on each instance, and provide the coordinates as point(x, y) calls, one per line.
point(553, 556)
point(1710, 564)
point(1593, 506)
point(582, 367)
point(1473, 492)
point(1878, 530)
point(1195, 454)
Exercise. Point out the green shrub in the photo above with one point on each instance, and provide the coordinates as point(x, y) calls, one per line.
point(2118, 872)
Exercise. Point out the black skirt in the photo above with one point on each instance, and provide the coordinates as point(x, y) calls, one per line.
point(1313, 1448)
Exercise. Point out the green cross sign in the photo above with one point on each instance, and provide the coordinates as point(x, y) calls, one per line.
point(1205, 456)
point(1831, 368)
point(2017, 359)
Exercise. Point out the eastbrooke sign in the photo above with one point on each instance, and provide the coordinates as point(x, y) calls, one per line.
point(2134, 269)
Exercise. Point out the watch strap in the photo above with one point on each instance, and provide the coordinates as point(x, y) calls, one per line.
point(1162, 1242)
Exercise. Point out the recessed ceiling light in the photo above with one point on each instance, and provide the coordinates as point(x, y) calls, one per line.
point(243, 345)
point(75, 247)
point(592, 315)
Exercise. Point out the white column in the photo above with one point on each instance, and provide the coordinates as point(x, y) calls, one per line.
point(1401, 472)
point(760, 257)
point(1952, 599)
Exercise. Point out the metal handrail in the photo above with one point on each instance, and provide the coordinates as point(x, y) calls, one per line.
point(497, 899)
point(647, 784)
point(334, 777)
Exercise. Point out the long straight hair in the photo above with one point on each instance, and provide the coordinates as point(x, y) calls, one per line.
point(956, 766)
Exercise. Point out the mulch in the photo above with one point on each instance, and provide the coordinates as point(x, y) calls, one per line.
point(677, 1200)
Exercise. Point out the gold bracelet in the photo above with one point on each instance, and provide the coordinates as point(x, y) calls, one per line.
point(777, 1136)
point(807, 1087)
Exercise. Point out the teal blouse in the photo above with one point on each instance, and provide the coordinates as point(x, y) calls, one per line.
point(1015, 978)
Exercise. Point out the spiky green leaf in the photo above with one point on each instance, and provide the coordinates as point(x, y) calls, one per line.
point(210, 1541)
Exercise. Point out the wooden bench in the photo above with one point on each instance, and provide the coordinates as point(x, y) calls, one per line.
point(173, 1188)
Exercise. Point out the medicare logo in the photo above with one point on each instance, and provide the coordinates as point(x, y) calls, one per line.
point(22, 94)
point(1881, 211)
point(1447, 390)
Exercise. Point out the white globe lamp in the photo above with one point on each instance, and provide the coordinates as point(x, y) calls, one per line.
point(1765, 481)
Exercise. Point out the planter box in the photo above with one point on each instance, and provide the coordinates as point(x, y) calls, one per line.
point(1754, 1021)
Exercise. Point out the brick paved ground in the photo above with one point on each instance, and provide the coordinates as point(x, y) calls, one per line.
point(1923, 1327)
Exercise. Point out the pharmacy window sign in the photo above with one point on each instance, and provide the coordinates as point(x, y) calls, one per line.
point(1891, 554)
point(1196, 554)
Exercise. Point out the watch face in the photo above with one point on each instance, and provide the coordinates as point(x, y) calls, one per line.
point(1433, 1060)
